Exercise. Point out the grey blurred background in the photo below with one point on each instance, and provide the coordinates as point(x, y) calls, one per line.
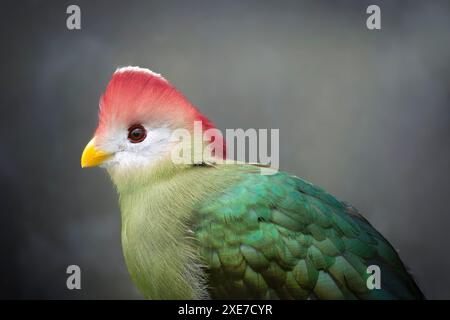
point(364, 114)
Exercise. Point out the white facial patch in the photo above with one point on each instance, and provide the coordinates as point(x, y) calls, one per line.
point(127, 154)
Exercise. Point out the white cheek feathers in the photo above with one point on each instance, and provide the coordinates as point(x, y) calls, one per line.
point(127, 154)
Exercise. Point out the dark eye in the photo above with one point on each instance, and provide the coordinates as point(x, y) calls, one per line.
point(136, 133)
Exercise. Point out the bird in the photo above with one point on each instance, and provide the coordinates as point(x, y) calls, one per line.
point(212, 229)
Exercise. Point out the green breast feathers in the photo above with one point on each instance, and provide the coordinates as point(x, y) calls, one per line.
point(280, 237)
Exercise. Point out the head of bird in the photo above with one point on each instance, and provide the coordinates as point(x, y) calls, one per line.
point(138, 114)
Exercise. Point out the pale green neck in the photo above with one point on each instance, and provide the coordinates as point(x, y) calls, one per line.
point(157, 206)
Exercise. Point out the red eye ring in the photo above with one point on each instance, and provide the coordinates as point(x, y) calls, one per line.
point(136, 133)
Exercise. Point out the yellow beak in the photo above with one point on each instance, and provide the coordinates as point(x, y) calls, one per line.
point(92, 157)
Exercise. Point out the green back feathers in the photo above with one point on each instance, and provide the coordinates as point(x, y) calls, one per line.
point(280, 237)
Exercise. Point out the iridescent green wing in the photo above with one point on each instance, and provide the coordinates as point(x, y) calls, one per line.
point(280, 237)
